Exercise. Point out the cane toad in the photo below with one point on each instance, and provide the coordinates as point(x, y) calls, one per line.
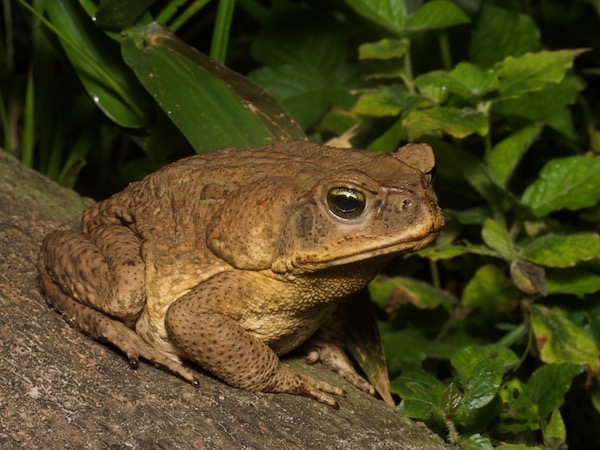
point(234, 258)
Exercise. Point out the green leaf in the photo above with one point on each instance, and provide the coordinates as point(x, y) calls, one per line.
point(554, 250)
point(490, 42)
point(421, 393)
point(384, 101)
point(301, 92)
point(95, 58)
point(436, 85)
point(301, 39)
point(480, 369)
point(449, 252)
point(490, 290)
point(467, 359)
point(418, 293)
point(456, 163)
point(559, 340)
point(412, 375)
point(574, 281)
point(532, 71)
point(384, 49)
point(505, 155)
point(305, 66)
point(213, 106)
point(517, 447)
point(436, 14)
point(482, 386)
point(555, 433)
point(545, 105)
point(406, 346)
point(465, 80)
point(496, 236)
point(117, 14)
point(572, 182)
point(476, 442)
point(451, 398)
point(456, 122)
point(474, 80)
point(390, 14)
point(545, 390)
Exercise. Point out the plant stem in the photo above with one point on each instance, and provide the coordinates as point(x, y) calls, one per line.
point(435, 274)
point(170, 9)
point(187, 14)
point(445, 50)
point(220, 39)
point(408, 75)
point(513, 336)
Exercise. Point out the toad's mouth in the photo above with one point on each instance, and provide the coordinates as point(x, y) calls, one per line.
point(380, 252)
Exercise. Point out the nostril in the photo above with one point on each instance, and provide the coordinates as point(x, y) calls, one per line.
point(403, 205)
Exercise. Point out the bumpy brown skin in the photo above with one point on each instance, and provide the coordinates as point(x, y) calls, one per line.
point(233, 258)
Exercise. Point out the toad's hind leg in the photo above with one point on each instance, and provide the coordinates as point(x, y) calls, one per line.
point(221, 346)
point(86, 288)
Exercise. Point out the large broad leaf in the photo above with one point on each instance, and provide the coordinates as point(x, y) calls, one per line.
point(421, 393)
point(496, 236)
point(213, 106)
point(466, 80)
point(532, 71)
point(507, 153)
point(418, 293)
point(554, 250)
point(490, 290)
point(549, 105)
point(491, 42)
point(96, 61)
point(390, 14)
point(304, 63)
point(383, 49)
point(388, 101)
point(544, 391)
point(575, 281)
point(559, 340)
point(572, 182)
point(480, 370)
point(436, 14)
point(456, 122)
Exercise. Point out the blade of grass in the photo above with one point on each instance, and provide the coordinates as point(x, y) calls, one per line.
point(220, 38)
point(76, 160)
point(255, 10)
point(169, 11)
point(187, 14)
point(125, 97)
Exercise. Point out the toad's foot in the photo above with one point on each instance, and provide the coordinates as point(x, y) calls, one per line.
point(334, 357)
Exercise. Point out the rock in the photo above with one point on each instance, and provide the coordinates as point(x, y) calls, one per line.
point(61, 389)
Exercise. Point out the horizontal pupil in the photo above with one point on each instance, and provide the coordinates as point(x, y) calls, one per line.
point(346, 202)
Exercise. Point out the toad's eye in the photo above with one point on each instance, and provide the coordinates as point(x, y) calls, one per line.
point(346, 203)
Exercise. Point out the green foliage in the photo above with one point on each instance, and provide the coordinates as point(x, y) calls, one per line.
point(507, 189)
point(497, 345)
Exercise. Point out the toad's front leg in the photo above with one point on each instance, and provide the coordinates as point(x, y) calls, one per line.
point(198, 325)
